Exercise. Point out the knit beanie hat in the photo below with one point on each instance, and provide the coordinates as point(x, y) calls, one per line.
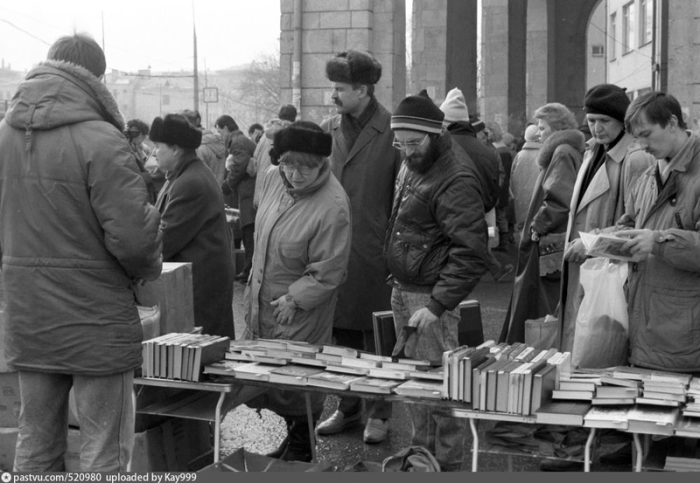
point(175, 129)
point(354, 67)
point(455, 107)
point(607, 99)
point(418, 113)
point(303, 137)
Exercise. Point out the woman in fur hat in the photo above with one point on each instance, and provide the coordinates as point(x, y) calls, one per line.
point(302, 246)
point(538, 271)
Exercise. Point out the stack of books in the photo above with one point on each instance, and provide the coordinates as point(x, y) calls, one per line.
point(576, 387)
point(652, 420)
point(616, 391)
point(181, 356)
point(658, 388)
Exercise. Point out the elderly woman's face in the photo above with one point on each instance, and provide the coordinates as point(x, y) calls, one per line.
point(299, 176)
point(544, 129)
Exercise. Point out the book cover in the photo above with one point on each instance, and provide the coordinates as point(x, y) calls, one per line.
point(419, 388)
point(475, 359)
point(299, 346)
point(255, 371)
point(293, 374)
point(667, 388)
point(454, 378)
point(375, 357)
point(537, 365)
point(572, 395)
point(613, 401)
point(433, 374)
point(649, 420)
point(332, 380)
point(308, 361)
point(607, 246)
point(663, 395)
point(616, 392)
point(648, 401)
point(394, 374)
point(211, 351)
point(543, 383)
point(334, 359)
point(492, 383)
point(563, 412)
point(503, 385)
point(614, 417)
point(613, 381)
point(576, 385)
point(400, 366)
point(479, 383)
point(355, 362)
point(224, 368)
point(643, 374)
point(339, 351)
point(357, 371)
point(369, 384)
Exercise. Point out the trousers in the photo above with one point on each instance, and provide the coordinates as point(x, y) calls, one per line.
point(434, 429)
point(106, 416)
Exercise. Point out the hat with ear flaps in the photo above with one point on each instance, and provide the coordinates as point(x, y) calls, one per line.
point(303, 137)
point(175, 129)
point(354, 67)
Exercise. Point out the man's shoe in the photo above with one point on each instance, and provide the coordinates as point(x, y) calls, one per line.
point(502, 273)
point(338, 422)
point(376, 430)
point(561, 465)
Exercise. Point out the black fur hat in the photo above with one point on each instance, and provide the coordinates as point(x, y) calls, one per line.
point(303, 137)
point(354, 67)
point(175, 129)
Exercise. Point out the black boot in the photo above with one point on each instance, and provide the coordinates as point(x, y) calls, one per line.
point(299, 447)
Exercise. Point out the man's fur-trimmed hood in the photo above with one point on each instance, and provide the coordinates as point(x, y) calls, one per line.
point(570, 137)
point(58, 93)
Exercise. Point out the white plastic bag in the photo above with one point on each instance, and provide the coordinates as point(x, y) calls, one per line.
point(602, 328)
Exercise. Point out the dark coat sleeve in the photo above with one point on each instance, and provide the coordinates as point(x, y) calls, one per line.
point(558, 186)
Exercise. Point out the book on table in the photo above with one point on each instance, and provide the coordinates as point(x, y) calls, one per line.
point(362, 363)
point(643, 374)
point(473, 360)
point(613, 381)
point(569, 413)
point(606, 246)
point(420, 388)
point(255, 371)
point(488, 397)
point(357, 371)
point(614, 401)
point(663, 395)
point(293, 374)
point(576, 385)
point(543, 383)
point(432, 373)
point(308, 361)
point(370, 384)
point(503, 380)
point(339, 351)
point(616, 392)
point(374, 357)
point(614, 417)
point(206, 353)
point(224, 368)
point(382, 373)
point(333, 380)
point(651, 420)
point(687, 427)
point(650, 401)
point(572, 395)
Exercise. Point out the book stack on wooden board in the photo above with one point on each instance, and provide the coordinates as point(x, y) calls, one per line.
point(615, 391)
point(181, 356)
point(658, 388)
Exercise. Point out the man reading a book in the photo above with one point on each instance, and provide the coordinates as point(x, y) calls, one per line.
point(663, 212)
point(435, 246)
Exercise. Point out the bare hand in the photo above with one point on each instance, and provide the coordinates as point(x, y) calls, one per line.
point(640, 243)
point(422, 319)
point(534, 236)
point(286, 308)
point(576, 252)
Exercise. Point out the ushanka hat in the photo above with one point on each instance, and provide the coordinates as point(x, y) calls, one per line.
point(354, 67)
point(418, 113)
point(175, 129)
point(607, 99)
point(303, 137)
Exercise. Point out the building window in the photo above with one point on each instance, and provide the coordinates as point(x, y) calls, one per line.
point(646, 12)
point(598, 51)
point(628, 28)
point(613, 36)
point(166, 100)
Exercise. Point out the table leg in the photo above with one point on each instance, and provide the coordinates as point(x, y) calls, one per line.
point(217, 428)
point(639, 451)
point(475, 446)
point(587, 452)
point(309, 418)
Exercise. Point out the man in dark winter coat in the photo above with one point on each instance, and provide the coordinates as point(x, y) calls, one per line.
point(194, 222)
point(366, 164)
point(435, 246)
point(485, 160)
point(77, 232)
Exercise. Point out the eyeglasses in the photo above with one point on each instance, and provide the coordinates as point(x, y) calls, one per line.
point(290, 168)
point(411, 146)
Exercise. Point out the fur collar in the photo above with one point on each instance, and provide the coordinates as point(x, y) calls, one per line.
point(99, 90)
point(570, 137)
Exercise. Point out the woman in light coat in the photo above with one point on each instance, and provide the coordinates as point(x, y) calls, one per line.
point(302, 246)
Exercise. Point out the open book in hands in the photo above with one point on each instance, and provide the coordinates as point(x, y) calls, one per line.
point(606, 246)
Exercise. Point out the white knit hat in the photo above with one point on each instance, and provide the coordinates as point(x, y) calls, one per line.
point(455, 107)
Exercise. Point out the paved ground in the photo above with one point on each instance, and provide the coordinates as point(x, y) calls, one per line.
point(262, 433)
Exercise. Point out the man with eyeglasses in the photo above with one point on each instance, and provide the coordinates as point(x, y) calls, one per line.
point(366, 164)
point(435, 248)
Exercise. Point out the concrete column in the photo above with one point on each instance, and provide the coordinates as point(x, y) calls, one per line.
point(536, 55)
point(683, 58)
point(429, 61)
point(461, 49)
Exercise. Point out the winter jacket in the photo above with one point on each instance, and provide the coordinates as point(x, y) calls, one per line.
point(485, 160)
point(436, 239)
point(213, 153)
point(663, 292)
point(76, 227)
point(195, 230)
point(302, 246)
point(523, 177)
point(601, 206)
point(367, 172)
point(241, 149)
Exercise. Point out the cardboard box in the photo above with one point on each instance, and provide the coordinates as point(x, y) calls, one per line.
point(9, 400)
point(242, 461)
point(172, 291)
point(176, 445)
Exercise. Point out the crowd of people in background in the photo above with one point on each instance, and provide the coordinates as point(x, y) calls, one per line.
point(371, 210)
